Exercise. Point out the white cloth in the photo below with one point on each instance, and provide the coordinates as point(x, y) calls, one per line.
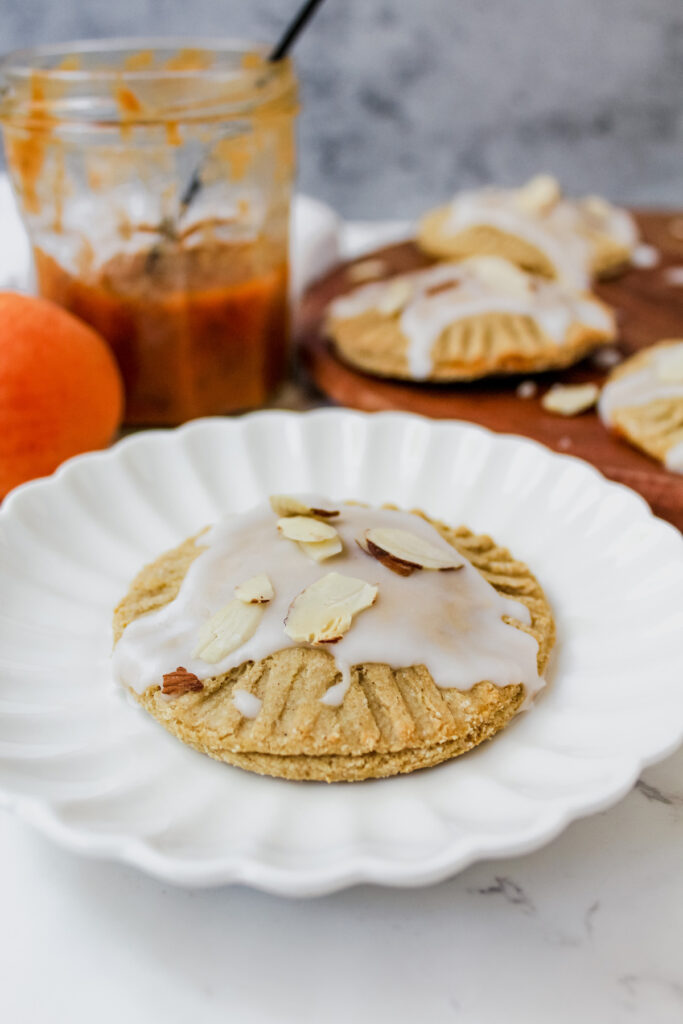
point(15, 254)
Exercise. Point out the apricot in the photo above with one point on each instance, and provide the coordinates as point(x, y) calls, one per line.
point(60, 389)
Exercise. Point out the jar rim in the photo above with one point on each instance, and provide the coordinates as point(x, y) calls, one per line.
point(24, 61)
point(18, 68)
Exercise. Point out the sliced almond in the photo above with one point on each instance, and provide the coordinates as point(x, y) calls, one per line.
point(396, 295)
point(287, 505)
point(257, 590)
point(500, 275)
point(305, 528)
point(442, 286)
point(366, 270)
point(395, 564)
point(570, 399)
point(539, 195)
point(669, 365)
point(527, 389)
point(323, 612)
point(403, 552)
point(606, 358)
point(673, 275)
point(645, 257)
point(227, 630)
point(175, 684)
point(322, 549)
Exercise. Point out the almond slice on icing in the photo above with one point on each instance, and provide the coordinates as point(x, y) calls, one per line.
point(442, 286)
point(500, 275)
point(287, 505)
point(175, 684)
point(669, 365)
point(570, 399)
point(305, 528)
point(396, 295)
point(404, 552)
point(257, 590)
point(323, 612)
point(227, 630)
point(539, 195)
point(322, 549)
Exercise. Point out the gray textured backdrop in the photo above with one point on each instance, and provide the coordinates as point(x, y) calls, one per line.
point(405, 100)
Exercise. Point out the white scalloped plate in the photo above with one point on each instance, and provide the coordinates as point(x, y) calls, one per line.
point(99, 776)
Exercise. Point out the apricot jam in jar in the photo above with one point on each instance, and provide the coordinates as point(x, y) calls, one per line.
point(154, 179)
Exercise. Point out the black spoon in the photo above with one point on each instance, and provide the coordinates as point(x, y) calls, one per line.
point(279, 52)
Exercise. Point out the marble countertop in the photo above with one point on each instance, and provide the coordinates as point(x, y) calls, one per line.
point(587, 929)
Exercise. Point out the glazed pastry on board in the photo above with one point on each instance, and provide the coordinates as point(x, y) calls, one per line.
point(460, 321)
point(311, 640)
point(642, 401)
point(535, 227)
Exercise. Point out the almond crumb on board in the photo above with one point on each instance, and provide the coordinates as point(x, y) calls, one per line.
point(606, 358)
point(527, 389)
point(366, 270)
point(179, 682)
point(645, 257)
point(673, 276)
point(570, 399)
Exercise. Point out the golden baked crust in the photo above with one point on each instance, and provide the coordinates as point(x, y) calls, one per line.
point(653, 427)
point(481, 240)
point(478, 346)
point(390, 721)
point(608, 256)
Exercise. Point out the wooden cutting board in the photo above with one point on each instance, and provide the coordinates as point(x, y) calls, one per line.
point(649, 307)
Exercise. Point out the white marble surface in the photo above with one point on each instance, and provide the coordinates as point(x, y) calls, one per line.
point(405, 102)
point(587, 929)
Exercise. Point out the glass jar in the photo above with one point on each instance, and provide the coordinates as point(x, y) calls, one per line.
point(154, 178)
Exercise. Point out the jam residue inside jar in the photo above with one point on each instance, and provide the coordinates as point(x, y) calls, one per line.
point(197, 329)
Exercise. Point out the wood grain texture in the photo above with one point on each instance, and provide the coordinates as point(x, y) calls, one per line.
point(648, 306)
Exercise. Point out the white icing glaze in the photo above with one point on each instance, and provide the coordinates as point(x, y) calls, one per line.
point(561, 231)
point(674, 458)
point(553, 305)
point(641, 386)
point(568, 252)
point(449, 621)
point(599, 215)
point(248, 704)
point(647, 384)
